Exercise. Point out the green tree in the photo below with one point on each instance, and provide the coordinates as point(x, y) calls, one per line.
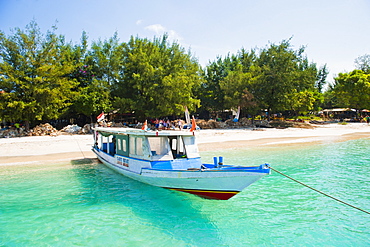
point(93, 99)
point(305, 101)
point(107, 58)
point(321, 78)
point(237, 87)
point(156, 79)
point(34, 71)
point(330, 98)
point(363, 63)
point(248, 60)
point(79, 53)
point(352, 90)
point(210, 92)
point(284, 71)
point(95, 69)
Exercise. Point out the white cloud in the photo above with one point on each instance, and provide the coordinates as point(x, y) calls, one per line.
point(173, 35)
point(138, 22)
point(158, 29)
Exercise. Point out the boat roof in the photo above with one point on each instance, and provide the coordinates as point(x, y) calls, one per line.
point(132, 131)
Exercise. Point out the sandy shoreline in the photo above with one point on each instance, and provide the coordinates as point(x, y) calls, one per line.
point(64, 148)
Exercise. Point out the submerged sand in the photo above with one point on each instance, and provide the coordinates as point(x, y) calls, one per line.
point(64, 148)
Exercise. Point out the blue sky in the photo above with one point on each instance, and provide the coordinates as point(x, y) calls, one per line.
point(335, 32)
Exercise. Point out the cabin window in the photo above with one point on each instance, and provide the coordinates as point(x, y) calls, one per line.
point(158, 145)
point(177, 147)
point(174, 144)
point(122, 142)
point(136, 145)
point(191, 147)
point(119, 144)
point(189, 140)
point(181, 145)
point(132, 145)
point(139, 146)
point(124, 145)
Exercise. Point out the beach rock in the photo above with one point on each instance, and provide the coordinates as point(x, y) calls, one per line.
point(318, 122)
point(230, 124)
point(210, 124)
point(245, 122)
point(77, 130)
point(282, 124)
point(71, 129)
point(87, 129)
point(11, 132)
point(43, 130)
point(262, 124)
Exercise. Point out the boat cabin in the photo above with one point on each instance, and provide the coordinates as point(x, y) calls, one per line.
point(159, 148)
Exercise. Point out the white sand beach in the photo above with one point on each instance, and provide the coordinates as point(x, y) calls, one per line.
point(63, 148)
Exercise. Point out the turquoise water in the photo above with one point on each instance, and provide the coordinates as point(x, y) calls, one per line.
point(86, 204)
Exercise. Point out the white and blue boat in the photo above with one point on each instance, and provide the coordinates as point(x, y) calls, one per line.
point(170, 159)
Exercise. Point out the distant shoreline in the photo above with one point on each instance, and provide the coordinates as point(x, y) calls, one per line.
point(65, 148)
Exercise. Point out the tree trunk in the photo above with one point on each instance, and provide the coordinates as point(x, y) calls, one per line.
point(27, 125)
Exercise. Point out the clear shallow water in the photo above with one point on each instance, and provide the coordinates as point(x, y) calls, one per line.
point(81, 204)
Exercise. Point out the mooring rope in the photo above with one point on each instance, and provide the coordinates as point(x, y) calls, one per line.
point(78, 144)
point(332, 197)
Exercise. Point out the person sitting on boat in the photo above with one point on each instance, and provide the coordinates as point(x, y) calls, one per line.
point(156, 124)
point(179, 124)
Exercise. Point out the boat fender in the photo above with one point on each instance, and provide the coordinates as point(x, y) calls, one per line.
point(215, 161)
point(220, 161)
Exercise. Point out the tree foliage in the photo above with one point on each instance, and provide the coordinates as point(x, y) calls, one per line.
point(283, 71)
point(43, 77)
point(97, 69)
point(34, 71)
point(210, 93)
point(305, 101)
point(156, 79)
point(363, 63)
point(321, 78)
point(268, 80)
point(352, 90)
point(92, 99)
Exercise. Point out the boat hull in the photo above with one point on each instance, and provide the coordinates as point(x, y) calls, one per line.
point(221, 184)
point(210, 194)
